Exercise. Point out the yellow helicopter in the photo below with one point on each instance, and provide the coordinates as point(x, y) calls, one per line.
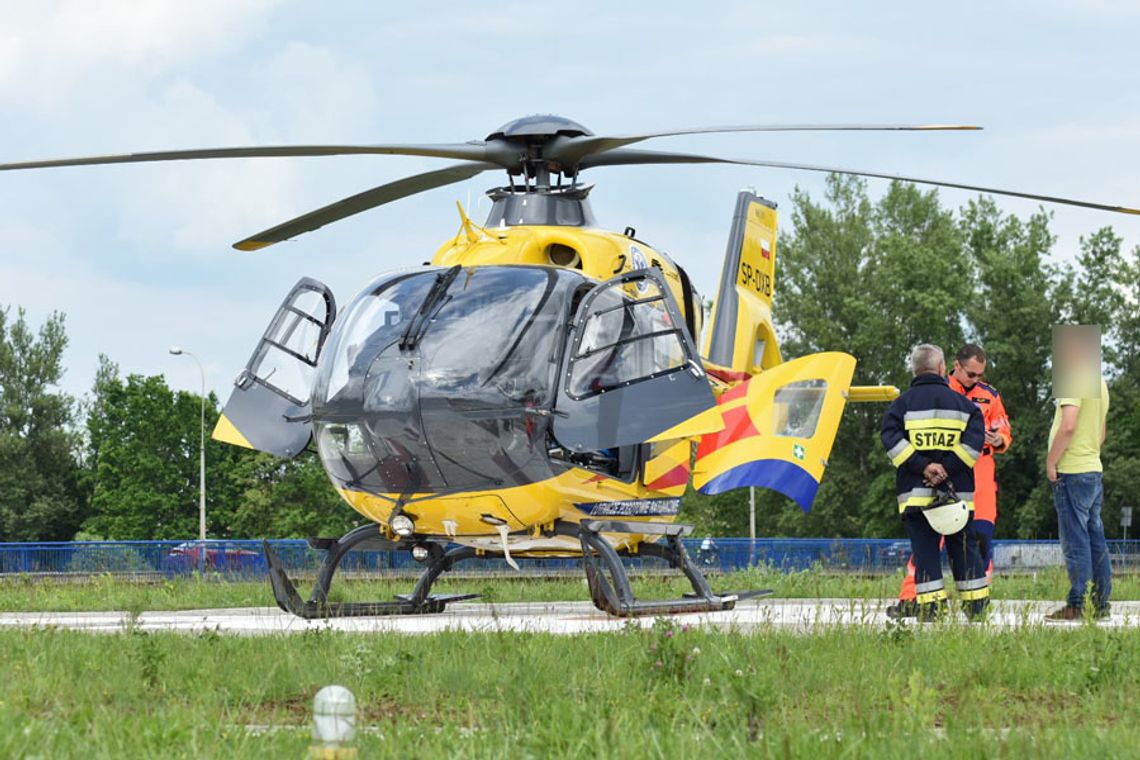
point(536, 389)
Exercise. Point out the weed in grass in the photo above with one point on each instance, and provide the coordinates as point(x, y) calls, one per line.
point(898, 632)
point(149, 656)
point(358, 661)
point(914, 704)
point(669, 651)
point(1103, 656)
point(755, 695)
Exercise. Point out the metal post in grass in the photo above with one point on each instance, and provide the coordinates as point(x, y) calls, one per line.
point(176, 351)
point(1125, 524)
point(752, 526)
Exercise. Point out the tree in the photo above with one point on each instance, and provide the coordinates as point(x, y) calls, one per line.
point(143, 459)
point(40, 494)
point(875, 278)
point(286, 498)
point(1017, 299)
point(143, 472)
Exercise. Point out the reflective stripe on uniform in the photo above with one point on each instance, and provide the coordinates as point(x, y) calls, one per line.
point(924, 497)
point(968, 455)
point(916, 493)
point(970, 585)
point(932, 418)
point(923, 588)
point(900, 452)
point(932, 596)
point(978, 593)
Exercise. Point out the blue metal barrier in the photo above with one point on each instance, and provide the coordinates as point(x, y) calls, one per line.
point(245, 559)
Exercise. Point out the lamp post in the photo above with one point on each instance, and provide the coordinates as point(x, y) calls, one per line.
point(176, 351)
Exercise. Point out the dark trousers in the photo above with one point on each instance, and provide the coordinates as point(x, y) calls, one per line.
point(965, 561)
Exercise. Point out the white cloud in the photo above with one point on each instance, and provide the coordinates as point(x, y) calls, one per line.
point(52, 49)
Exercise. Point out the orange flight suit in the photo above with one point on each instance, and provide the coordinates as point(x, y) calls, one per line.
point(985, 483)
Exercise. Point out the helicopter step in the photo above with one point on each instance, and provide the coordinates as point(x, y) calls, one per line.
point(614, 594)
point(366, 537)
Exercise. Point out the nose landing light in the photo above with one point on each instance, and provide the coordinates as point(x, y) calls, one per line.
point(402, 525)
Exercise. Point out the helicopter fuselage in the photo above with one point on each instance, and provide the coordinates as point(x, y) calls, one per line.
point(436, 390)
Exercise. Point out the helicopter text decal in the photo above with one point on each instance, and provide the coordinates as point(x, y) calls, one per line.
point(753, 278)
point(632, 507)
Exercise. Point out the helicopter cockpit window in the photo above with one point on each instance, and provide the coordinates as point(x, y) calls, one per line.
point(627, 336)
point(287, 354)
point(797, 408)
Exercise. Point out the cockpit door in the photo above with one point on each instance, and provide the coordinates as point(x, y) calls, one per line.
point(630, 371)
point(268, 409)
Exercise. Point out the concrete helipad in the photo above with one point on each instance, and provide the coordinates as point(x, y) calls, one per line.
point(803, 615)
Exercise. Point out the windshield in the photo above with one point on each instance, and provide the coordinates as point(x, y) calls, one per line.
point(434, 383)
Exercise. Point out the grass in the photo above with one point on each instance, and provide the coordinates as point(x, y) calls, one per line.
point(665, 691)
point(26, 594)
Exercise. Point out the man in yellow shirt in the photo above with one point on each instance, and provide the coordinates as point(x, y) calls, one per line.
point(1074, 471)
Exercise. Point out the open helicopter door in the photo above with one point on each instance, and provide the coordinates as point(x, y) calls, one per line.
point(268, 409)
point(779, 429)
point(630, 373)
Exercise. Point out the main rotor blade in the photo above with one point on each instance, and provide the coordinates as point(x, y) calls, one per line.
point(623, 157)
point(377, 196)
point(468, 151)
point(570, 150)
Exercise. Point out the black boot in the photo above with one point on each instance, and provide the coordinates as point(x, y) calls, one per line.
point(905, 608)
point(976, 609)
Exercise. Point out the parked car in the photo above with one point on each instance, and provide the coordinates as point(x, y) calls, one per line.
point(185, 558)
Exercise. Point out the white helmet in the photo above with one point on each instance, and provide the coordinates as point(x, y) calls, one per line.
point(947, 514)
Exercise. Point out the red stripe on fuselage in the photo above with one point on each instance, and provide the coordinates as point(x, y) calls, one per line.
point(678, 476)
point(737, 426)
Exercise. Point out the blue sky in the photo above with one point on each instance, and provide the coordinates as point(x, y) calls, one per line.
point(139, 257)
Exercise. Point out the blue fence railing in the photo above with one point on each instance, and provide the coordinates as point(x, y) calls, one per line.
point(245, 559)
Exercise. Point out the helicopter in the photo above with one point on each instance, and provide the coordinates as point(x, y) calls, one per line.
point(536, 388)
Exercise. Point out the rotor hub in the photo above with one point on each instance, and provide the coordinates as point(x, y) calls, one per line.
point(539, 125)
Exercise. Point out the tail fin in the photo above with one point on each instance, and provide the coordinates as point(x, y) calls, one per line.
point(742, 338)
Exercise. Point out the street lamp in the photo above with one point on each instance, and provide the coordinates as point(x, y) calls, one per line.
point(176, 351)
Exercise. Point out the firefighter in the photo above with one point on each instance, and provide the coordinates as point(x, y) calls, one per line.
point(966, 378)
point(934, 436)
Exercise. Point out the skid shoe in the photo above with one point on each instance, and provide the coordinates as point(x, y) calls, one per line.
point(610, 588)
point(366, 537)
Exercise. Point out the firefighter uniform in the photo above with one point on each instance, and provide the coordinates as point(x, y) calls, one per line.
point(930, 423)
point(985, 479)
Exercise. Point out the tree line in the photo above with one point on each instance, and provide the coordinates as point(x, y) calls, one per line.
point(870, 277)
point(122, 462)
point(875, 278)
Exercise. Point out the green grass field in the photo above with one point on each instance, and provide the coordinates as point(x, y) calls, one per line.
point(941, 691)
point(665, 691)
point(27, 594)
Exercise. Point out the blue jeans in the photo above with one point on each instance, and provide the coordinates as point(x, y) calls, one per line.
point(1078, 498)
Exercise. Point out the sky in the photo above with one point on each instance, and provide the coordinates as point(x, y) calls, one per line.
point(138, 257)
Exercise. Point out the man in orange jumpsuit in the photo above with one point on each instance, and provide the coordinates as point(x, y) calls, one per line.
point(966, 378)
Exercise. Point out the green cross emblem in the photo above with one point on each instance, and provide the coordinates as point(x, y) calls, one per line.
point(799, 452)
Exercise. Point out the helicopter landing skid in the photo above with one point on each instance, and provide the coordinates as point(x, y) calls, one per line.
point(419, 602)
point(614, 594)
